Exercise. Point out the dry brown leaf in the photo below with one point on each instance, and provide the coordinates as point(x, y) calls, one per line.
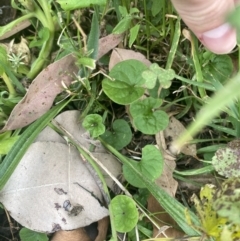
point(173, 131)
point(108, 43)
point(48, 84)
point(42, 92)
point(119, 55)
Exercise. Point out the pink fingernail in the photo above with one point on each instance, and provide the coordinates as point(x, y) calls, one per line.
point(220, 40)
point(217, 32)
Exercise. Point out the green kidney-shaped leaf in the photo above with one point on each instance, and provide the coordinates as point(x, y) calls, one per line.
point(93, 124)
point(125, 213)
point(75, 4)
point(129, 71)
point(29, 235)
point(121, 92)
point(151, 166)
point(120, 136)
point(146, 119)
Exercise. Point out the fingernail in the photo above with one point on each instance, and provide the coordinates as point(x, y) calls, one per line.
point(217, 32)
point(220, 40)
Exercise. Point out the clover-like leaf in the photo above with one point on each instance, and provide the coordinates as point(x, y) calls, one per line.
point(93, 123)
point(155, 72)
point(146, 118)
point(150, 79)
point(151, 166)
point(125, 213)
point(226, 161)
point(120, 136)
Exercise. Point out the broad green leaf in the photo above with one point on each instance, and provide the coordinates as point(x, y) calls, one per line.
point(121, 92)
point(123, 25)
point(93, 124)
point(133, 34)
point(151, 166)
point(129, 71)
point(30, 235)
point(75, 4)
point(125, 213)
point(43, 35)
point(120, 136)
point(7, 144)
point(123, 11)
point(134, 10)
point(146, 119)
point(87, 62)
point(234, 17)
point(157, 6)
point(219, 68)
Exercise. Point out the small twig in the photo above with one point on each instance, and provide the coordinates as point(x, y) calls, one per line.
point(84, 36)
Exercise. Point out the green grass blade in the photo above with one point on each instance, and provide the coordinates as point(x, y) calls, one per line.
point(18, 150)
point(174, 46)
point(92, 43)
point(223, 98)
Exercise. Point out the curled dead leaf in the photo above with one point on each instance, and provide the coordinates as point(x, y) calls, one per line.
point(42, 92)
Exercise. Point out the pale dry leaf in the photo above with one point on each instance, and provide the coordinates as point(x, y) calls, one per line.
point(20, 49)
point(108, 43)
point(42, 92)
point(173, 131)
point(119, 55)
point(51, 189)
point(70, 120)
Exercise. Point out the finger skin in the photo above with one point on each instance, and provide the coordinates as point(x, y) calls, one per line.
point(203, 16)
